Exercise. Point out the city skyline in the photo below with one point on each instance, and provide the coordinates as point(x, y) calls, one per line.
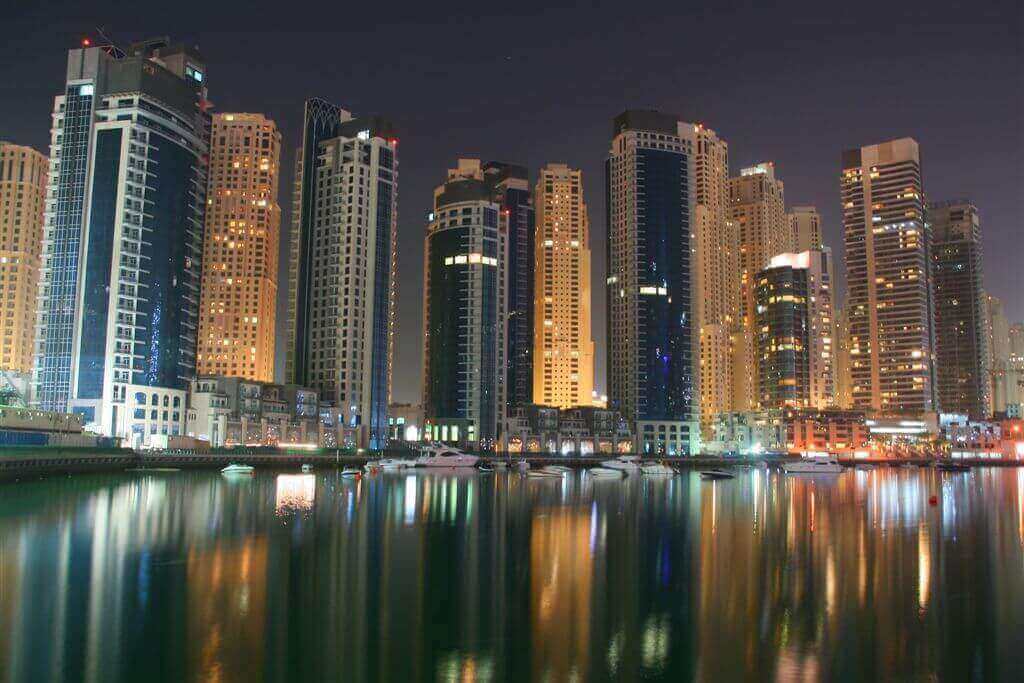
point(805, 148)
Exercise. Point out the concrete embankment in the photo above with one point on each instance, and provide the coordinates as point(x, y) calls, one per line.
point(31, 462)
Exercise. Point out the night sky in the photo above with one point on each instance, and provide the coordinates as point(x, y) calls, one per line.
point(793, 83)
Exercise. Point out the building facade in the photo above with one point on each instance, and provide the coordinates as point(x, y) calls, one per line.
point(805, 225)
point(342, 266)
point(841, 344)
point(649, 182)
point(235, 411)
point(757, 206)
point(581, 430)
point(119, 301)
point(888, 274)
point(238, 302)
point(961, 353)
point(465, 309)
point(510, 187)
point(23, 178)
point(563, 373)
point(716, 278)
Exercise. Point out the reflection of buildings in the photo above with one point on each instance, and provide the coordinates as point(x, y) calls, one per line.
point(561, 578)
point(226, 610)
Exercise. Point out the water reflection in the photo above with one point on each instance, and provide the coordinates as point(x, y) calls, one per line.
point(438, 576)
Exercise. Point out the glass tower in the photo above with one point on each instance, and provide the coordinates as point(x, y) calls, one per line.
point(649, 175)
point(118, 308)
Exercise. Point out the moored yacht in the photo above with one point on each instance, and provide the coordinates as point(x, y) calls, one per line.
point(605, 473)
point(657, 468)
point(445, 456)
point(829, 465)
point(625, 463)
point(235, 468)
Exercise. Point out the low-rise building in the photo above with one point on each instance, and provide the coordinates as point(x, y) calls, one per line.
point(747, 433)
point(405, 421)
point(583, 430)
point(231, 411)
point(829, 430)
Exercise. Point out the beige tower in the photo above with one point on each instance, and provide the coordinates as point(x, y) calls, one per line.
point(841, 344)
point(716, 265)
point(23, 173)
point(889, 293)
point(563, 348)
point(757, 206)
point(243, 223)
point(805, 225)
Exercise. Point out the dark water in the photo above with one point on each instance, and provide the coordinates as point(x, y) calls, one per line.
point(190, 576)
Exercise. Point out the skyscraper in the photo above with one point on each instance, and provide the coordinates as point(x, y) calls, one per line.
point(716, 266)
point(841, 344)
point(511, 189)
point(889, 294)
point(23, 173)
point(757, 206)
point(961, 354)
point(805, 225)
point(649, 182)
point(119, 301)
point(243, 227)
point(563, 373)
point(465, 308)
point(342, 266)
point(782, 338)
point(997, 337)
point(794, 342)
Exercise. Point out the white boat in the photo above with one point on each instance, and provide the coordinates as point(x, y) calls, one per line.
point(350, 472)
point(445, 456)
point(813, 466)
point(235, 468)
point(657, 468)
point(396, 463)
point(306, 469)
point(605, 473)
point(544, 473)
point(626, 463)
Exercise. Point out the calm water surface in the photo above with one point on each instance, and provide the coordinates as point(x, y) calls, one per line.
point(436, 576)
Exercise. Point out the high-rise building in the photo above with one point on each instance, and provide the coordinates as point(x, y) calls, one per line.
point(563, 373)
point(1015, 371)
point(997, 338)
point(243, 227)
point(794, 342)
point(888, 266)
point(341, 273)
point(961, 353)
point(465, 308)
point(805, 224)
point(23, 173)
point(649, 181)
point(511, 189)
point(119, 300)
point(716, 277)
point(757, 206)
point(782, 341)
point(841, 344)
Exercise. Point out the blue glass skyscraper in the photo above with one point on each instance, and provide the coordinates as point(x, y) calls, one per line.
point(649, 179)
point(117, 320)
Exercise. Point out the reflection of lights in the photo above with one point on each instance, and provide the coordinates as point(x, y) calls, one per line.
point(655, 644)
point(410, 499)
point(295, 492)
point(615, 651)
point(924, 566)
point(299, 446)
